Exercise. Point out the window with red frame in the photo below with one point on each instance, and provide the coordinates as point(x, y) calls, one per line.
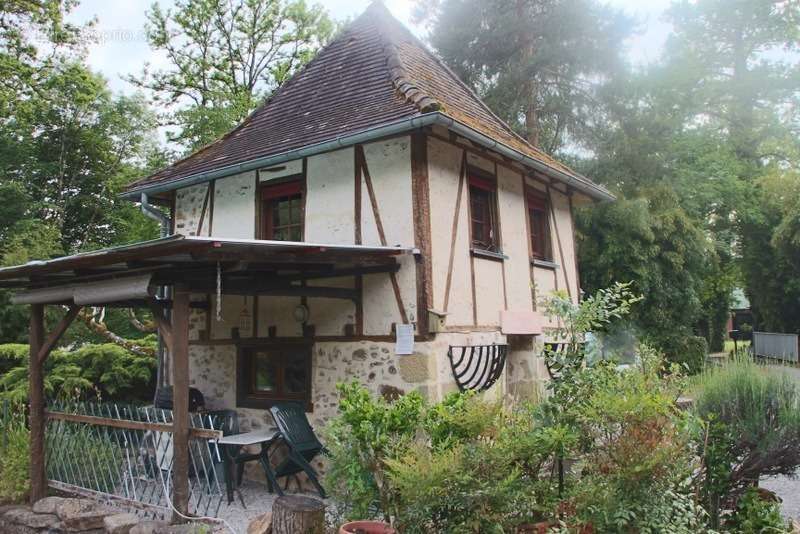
point(539, 227)
point(282, 211)
point(483, 211)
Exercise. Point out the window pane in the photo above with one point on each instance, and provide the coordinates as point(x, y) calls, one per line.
point(265, 372)
point(295, 375)
point(294, 233)
point(294, 210)
point(283, 211)
point(539, 234)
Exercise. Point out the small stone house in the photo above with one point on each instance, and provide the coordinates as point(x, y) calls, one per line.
point(373, 220)
point(375, 142)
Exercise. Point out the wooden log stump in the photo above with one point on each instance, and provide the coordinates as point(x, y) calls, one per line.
point(293, 514)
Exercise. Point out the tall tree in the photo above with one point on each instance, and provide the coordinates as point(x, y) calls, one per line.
point(732, 60)
point(537, 63)
point(735, 68)
point(26, 25)
point(225, 57)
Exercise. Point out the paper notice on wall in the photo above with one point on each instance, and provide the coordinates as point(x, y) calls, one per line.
point(404, 343)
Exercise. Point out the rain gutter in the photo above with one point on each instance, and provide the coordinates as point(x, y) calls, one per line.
point(392, 128)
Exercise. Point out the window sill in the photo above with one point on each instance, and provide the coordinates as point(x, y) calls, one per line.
point(487, 254)
point(544, 264)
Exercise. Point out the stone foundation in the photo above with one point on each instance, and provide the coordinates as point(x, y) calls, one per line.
point(58, 515)
point(373, 364)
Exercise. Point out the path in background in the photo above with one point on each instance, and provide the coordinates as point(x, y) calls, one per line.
point(787, 488)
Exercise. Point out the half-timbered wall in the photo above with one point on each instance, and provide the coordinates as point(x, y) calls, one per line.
point(377, 194)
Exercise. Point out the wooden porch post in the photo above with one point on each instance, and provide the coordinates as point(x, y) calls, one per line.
point(180, 401)
point(36, 400)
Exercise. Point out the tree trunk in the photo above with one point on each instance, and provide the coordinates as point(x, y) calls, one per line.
point(292, 514)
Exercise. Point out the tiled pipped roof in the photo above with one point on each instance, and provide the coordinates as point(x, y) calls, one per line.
point(375, 72)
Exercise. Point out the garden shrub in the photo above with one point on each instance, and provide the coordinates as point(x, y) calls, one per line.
point(14, 455)
point(751, 428)
point(755, 515)
point(106, 371)
point(368, 431)
point(636, 458)
point(690, 352)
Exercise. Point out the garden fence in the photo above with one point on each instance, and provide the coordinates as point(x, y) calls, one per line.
point(123, 454)
point(776, 346)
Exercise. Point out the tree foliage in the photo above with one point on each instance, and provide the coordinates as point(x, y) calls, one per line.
point(537, 63)
point(225, 57)
point(688, 142)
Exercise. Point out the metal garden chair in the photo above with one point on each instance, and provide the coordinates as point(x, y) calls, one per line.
point(297, 433)
point(228, 421)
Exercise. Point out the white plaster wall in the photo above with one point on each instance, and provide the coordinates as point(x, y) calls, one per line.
point(563, 219)
point(564, 275)
point(278, 312)
point(329, 316)
point(330, 197)
point(444, 164)
point(234, 206)
point(389, 165)
point(489, 291)
point(230, 310)
point(189, 202)
point(289, 168)
point(514, 236)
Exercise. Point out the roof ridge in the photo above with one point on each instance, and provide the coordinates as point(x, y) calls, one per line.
point(398, 74)
point(407, 86)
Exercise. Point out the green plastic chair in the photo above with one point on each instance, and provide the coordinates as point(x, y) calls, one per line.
point(297, 433)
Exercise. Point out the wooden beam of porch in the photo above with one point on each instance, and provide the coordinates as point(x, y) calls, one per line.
point(180, 402)
point(59, 330)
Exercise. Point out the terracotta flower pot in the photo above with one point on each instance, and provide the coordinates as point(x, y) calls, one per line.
point(367, 527)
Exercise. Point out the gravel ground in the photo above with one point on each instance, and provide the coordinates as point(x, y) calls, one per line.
point(257, 501)
point(787, 488)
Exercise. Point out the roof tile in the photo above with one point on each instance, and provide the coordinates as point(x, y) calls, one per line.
point(373, 73)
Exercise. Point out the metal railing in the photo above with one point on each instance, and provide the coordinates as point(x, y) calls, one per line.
point(776, 346)
point(124, 454)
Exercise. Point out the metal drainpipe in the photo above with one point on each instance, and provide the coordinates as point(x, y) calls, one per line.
point(165, 224)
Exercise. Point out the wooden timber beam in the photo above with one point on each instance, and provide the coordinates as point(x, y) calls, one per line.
point(164, 325)
point(248, 288)
point(180, 403)
point(40, 348)
point(200, 433)
point(36, 404)
point(56, 334)
point(337, 273)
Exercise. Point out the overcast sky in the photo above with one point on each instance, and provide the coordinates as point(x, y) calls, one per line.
point(122, 48)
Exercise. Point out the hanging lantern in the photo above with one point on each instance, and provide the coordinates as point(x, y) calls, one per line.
point(245, 320)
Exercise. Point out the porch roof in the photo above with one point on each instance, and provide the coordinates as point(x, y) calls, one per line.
point(128, 274)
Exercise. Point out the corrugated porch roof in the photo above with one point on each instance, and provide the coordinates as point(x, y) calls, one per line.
point(244, 266)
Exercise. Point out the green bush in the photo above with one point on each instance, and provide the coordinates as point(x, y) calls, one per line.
point(368, 431)
point(690, 352)
point(14, 457)
point(755, 515)
point(634, 455)
point(751, 428)
point(107, 371)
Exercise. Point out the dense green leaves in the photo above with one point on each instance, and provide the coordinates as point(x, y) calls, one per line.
point(685, 143)
point(537, 63)
point(225, 58)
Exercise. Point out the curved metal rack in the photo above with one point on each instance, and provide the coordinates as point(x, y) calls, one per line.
point(556, 357)
point(477, 368)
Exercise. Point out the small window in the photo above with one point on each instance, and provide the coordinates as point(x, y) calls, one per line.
point(271, 373)
point(539, 226)
point(483, 211)
point(282, 211)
